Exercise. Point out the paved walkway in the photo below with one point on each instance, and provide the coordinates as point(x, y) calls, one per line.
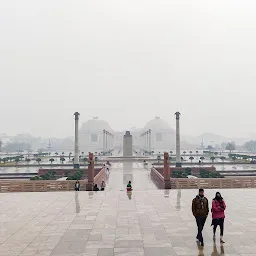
point(149, 223)
point(122, 173)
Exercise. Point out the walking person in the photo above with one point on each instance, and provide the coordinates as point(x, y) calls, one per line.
point(77, 185)
point(200, 209)
point(218, 215)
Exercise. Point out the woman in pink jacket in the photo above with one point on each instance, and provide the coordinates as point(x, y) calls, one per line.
point(218, 215)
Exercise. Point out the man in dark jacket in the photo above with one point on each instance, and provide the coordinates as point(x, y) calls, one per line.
point(200, 209)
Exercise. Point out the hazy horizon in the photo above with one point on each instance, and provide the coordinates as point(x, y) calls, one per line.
point(127, 62)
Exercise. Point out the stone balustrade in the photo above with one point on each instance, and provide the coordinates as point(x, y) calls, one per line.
point(185, 183)
point(49, 185)
point(39, 185)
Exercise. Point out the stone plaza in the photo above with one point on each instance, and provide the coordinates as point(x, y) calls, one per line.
point(148, 222)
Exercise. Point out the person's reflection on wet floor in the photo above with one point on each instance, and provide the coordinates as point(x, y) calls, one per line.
point(166, 193)
point(129, 194)
point(90, 194)
point(215, 250)
point(178, 200)
point(200, 249)
point(77, 202)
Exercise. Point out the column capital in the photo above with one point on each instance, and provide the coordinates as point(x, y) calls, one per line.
point(76, 114)
point(177, 114)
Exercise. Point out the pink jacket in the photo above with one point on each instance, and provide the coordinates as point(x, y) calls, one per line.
point(218, 212)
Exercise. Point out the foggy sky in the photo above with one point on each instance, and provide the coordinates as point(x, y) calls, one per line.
point(126, 62)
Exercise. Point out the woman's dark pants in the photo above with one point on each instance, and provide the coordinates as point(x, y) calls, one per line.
point(216, 223)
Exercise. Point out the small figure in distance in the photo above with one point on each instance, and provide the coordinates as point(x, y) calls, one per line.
point(77, 185)
point(129, 186)
point(103, 185)
point(95, 188)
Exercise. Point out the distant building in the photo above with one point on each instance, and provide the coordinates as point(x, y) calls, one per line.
point(91, 135)
point(162, 134)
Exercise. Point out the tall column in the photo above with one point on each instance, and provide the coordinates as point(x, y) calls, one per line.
point(178, 157)
point(76, 158)
point(149, 141)
point(145, 137)
point(104, 142)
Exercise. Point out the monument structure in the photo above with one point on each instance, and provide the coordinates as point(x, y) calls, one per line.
point(127, 144)
point(76, 158)
point(178, 157)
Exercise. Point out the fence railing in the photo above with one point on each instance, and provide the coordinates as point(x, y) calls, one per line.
point(248, 182)
point(185, 183)
point(39, 185)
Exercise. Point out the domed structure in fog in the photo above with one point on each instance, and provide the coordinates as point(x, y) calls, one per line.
point(162, 134)
point(158, 124)
point(95, 125)
point(91, 134)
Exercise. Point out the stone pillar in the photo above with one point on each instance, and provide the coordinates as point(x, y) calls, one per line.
point(146, 140)
point(104, 141)
point(89, 186)
point(167, 171)
point(178, 156)
point(149, 141)
point(76, 157)
point(127, 144)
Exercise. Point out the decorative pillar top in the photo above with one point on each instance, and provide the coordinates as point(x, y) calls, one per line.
point(91, 157)
point(166, 158)
point(76, 114)
point(177, 114)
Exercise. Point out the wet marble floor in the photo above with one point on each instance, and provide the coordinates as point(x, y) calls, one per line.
point(149, 223)
point(122, 173)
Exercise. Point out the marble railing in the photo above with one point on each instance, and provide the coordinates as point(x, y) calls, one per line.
point(49, 185)
point(39, 185)
point(185, 183)
point(245, 182)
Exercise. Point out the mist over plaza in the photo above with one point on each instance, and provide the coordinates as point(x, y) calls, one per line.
point(127, 128)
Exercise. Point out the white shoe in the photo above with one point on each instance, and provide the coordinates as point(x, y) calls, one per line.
point(221, 240)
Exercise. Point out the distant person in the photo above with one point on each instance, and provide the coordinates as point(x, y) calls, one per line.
point(95, 188)
point(107, 167)
point(218, 215)
point(77, 185)
point(103, 185)
point(129, 186)
point(200, 209)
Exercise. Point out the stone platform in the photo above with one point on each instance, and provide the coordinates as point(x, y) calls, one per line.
point(149, 223)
